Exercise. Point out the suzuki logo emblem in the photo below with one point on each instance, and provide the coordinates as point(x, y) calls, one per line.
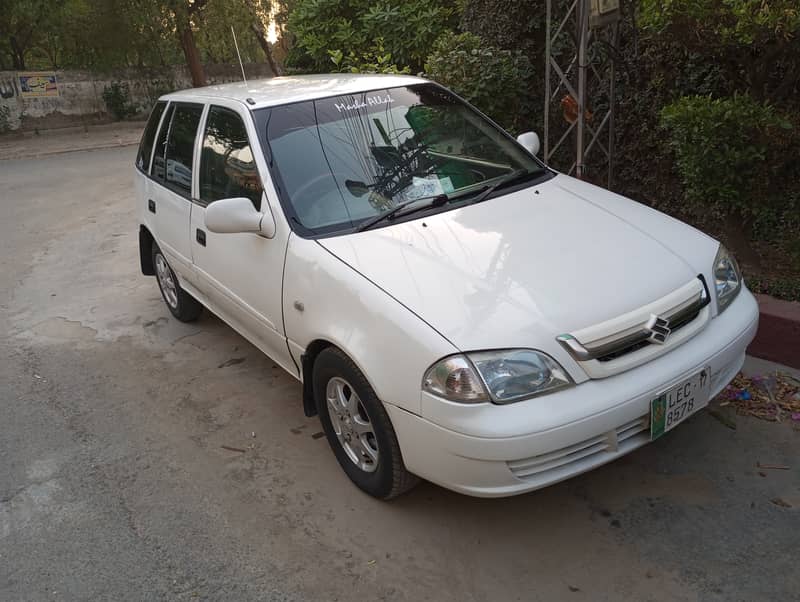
point(658, 328)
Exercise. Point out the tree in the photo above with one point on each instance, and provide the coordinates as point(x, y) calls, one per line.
point(19, 27)
point(107, 34)
point(260, 11)
point(184, 12)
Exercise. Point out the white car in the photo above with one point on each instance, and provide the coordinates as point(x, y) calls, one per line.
point(455, 310)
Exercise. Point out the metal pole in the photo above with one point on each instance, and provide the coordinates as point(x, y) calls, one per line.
point(547, 100)
point(583, 26)
point(611, 103)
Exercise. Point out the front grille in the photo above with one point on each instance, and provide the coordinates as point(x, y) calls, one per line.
point(679, 322)
point(642, 334)
point(623, 351)
point(675, 323)
point(584, 455)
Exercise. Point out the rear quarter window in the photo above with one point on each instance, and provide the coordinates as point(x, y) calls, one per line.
point(148, 137)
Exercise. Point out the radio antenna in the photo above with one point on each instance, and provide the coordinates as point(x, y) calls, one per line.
point(238, 54)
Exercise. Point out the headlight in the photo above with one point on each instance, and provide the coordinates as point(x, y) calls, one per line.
point(502, 376)
point(727, 279)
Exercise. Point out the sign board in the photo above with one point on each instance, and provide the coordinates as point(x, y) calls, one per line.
point(603, 12)
point(37, 84)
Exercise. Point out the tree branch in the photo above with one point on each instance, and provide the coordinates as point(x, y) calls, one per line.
point(196, 6)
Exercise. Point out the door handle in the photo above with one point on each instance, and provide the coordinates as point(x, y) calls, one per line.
point(201, 237)
point(151, 205)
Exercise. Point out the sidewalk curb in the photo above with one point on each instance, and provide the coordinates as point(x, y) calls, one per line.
point(39, 155)
point(778, 336)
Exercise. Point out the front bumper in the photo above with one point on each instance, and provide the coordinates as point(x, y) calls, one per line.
point(491, 450)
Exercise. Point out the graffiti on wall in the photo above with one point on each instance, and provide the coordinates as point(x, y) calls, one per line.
point(55, 99)
point(41, 83)
point(8, 88)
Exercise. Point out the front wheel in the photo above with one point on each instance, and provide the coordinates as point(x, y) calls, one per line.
point(180, 303)
point(358, 428)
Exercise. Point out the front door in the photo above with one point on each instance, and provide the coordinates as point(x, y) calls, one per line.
point(241, 274)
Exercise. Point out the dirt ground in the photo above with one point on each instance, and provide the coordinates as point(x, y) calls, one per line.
point(114, 483)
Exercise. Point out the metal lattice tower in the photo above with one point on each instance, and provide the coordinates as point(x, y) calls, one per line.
point(580, 71)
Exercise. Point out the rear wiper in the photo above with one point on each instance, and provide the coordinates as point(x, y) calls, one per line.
point(435, 201)
point(507, 180)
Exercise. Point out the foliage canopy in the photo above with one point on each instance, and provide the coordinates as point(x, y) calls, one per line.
point(406, 30)
point(106, 34)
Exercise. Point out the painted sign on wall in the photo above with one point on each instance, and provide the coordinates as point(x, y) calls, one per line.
point(40, 83)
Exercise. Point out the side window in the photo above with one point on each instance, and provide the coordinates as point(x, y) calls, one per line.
point(146, 145)
point(161, 145)
point(227, 167)
point(180, 147)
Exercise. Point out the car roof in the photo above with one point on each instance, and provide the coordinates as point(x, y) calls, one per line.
point(293, 88)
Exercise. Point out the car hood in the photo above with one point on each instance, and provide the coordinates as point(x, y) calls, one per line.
point(519, 269)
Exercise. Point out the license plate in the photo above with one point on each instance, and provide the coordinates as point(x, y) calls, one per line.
point(676, 404)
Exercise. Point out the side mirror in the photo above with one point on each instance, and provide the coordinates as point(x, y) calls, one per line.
point(530, 141)
point(229, 216)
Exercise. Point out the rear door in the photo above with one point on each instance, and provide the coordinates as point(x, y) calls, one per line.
point(241, 274)
point(143, 182)
point(173, 157)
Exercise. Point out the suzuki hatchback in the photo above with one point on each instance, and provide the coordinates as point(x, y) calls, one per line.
point(455, 310)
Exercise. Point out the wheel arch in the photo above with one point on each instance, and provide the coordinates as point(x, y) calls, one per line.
point(307, 360)
point(146, 241)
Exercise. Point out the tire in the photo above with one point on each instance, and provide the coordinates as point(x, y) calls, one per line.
point(180, 303)
point(358, 429)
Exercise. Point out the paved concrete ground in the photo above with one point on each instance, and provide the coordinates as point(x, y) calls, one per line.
point(114, 485)
point(50, 142)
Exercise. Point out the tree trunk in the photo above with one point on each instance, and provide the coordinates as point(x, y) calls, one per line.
point(192, 55)
point(51, 50)
point(258, 29)
point(17, 54)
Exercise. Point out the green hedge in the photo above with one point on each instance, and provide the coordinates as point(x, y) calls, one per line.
point(727, 152)
point(496, 81)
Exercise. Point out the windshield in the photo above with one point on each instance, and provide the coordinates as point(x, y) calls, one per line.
point(342, 160)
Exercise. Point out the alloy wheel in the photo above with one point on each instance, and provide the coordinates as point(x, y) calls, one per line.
point(167, 281)
point(351, 424)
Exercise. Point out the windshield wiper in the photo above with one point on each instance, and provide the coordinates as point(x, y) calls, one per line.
point(394, 212)
point(440, 199)
point(507, 180)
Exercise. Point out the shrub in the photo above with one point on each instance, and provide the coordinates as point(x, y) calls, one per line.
point(728, 22)
point(782, 287)
point(511, 24)
point(407, 30)
point(727, 152)
point(5, 120)
point(496, 81)
point(375, 60)
point(117, 99)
